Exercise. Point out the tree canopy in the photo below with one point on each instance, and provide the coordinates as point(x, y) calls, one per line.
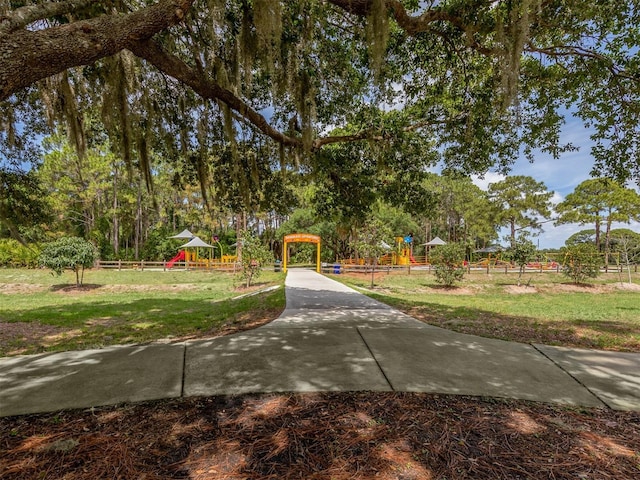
point(600, 201)
point(520, 200)
point(475, 82)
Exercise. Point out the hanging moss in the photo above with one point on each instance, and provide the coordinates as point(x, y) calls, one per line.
point(145, 163)
point(512, 37)
point(71, 114)
point(202, 170)
point(377, 35)
point(253, 164)
point(120, 79)
point(267, 18)
point(124, 129)
point(8, 125)
point(247, 45)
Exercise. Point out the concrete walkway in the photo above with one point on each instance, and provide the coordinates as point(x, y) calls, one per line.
point(329, 338)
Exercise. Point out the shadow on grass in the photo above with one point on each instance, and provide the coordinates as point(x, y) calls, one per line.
point(95, 324)
point(600, 334)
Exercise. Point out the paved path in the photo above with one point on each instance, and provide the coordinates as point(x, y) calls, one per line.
point(329, 338)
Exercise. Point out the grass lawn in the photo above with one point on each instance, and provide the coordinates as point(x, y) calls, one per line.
point(604, 314)
point(40, 312)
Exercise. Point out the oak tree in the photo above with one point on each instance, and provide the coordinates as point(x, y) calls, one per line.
point(479, 80)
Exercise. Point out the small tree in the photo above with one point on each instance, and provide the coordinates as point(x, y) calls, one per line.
point(581, 261)
point(68, 253)
point(521, 252)
point(448, 263)
point(254, 256)
point(371, 242)
point(626, 243)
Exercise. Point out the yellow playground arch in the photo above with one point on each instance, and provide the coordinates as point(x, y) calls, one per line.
point(300, 238)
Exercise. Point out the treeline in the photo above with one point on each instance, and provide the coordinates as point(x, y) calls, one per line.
point(130, 215)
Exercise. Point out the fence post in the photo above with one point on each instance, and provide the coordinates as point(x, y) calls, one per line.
point(142, 265)
point(164, 265)
point(119, 265)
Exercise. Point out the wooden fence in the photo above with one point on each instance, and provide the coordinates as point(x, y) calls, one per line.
point(143, 265)
point(503, 267)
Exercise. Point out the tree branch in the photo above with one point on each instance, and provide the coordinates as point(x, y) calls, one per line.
point(28, 56)
point(414, 25)
point(178, 69)
point(23, 16)
point(578, 51)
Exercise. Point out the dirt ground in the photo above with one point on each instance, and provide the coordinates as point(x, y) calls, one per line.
point(323, 436)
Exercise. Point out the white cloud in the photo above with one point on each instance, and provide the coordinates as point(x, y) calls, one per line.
point(484, 181)
point(557, 198)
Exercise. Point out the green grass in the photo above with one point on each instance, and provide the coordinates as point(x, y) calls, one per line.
point(599, 315)
point(126, 307)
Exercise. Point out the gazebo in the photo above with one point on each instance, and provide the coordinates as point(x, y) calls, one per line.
point(195, 243)
point(433, 243)
point(184, 234)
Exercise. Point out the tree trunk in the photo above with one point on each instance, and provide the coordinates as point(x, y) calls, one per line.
point(513, 232)
point(116, 224)
point(607, 240)
point(598, 232)
point(373, 272)
point(239, 235)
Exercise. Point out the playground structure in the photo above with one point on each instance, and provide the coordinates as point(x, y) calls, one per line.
point(399, 255)
point(402, 253)
point(189, 256)
point(187, 259)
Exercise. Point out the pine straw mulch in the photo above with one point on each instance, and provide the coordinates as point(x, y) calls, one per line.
point(324, 436)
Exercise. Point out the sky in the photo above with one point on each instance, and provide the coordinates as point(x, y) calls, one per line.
point(561, 176)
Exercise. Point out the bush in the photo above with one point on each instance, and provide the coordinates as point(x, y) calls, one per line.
point(448, 263)
point(69, 253)
point(581, 261)
point(14, 254)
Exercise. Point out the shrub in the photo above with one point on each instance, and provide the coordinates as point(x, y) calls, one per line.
point(254, 257)
point(581, 261)
point(14, 254)
point(448, 263)
point(69, 253)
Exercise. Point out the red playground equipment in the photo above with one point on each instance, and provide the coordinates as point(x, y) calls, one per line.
point(178, 258)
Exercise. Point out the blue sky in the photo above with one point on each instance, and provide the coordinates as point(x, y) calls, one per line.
point(560, 175)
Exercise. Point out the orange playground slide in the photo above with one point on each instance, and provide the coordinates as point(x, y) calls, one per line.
point(178, 258)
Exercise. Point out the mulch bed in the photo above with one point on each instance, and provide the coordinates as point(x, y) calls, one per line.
point(324, 436)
